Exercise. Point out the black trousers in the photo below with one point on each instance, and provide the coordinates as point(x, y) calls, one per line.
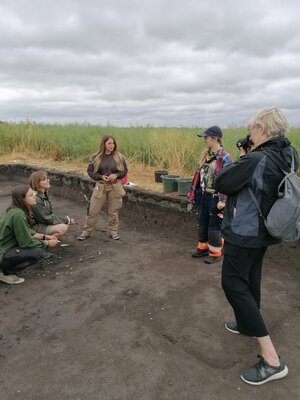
point(16, 259)
point(241, 282)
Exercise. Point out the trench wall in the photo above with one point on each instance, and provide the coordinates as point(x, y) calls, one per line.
point(140, 205)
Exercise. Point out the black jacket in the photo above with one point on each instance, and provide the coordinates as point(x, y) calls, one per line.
point(242, 225)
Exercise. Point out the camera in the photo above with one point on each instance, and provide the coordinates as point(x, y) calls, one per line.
point(245, 143)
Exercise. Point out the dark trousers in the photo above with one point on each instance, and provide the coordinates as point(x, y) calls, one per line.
point(16, 259)
point(209, 219)
point(241, 282)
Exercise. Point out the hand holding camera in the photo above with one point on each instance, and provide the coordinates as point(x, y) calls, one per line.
point(244, 145)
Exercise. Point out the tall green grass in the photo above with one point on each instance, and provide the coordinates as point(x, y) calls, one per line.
point(168, 148)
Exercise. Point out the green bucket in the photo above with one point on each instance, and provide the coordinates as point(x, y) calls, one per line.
point(184, 186)
point(170, 183)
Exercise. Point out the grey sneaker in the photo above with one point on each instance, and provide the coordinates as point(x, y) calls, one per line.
point(232, 327)
point(114, 236)
point(11, 279)
point(82, 236)
point(263, 372)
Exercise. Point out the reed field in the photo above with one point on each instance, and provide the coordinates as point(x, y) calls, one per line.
point(162, 148)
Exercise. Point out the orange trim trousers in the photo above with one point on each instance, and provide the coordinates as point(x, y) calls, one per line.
point(209, 220)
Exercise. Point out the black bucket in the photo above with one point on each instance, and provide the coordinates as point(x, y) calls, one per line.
point(158, 174)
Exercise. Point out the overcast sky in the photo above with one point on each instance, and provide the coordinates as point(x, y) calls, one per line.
point(157, 62)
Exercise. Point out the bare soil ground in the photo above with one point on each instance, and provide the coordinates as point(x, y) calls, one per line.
point(138, 318)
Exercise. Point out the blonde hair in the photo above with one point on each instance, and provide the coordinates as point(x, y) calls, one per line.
point(271, 120)
point(98, 157)
point(35, 179)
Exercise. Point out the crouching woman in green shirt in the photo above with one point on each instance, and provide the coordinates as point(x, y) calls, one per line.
point(20, 246)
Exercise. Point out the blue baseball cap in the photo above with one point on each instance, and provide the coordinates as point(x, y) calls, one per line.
point(212, 131)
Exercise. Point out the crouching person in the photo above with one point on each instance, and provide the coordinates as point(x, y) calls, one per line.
point(20, 246)
point(45, 221)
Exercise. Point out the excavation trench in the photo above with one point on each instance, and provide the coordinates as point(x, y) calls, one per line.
point(137, 318)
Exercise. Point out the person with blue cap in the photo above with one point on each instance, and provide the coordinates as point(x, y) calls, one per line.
point(209, 203)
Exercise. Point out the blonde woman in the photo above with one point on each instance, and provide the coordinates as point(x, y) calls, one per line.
point(106, 167)
point(246, 237)
point(208, 201)
point(45, 221)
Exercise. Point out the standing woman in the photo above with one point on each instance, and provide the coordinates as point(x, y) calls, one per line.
point(246, 237)
point(20, 246)
point(45, 221)
point(106, 167)
point(209, 203)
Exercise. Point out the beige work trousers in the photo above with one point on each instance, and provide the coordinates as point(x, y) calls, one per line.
point(102, 193)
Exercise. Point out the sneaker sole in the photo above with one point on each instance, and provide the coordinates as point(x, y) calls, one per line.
point(279, 375)
point(21, 280)
point(231, 330)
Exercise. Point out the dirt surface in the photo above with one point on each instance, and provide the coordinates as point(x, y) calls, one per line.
point(138, 318)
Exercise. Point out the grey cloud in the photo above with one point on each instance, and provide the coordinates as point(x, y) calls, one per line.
point(182, 62)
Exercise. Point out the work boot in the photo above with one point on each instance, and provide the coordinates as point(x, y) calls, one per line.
point(200, 253)
point(212, 259)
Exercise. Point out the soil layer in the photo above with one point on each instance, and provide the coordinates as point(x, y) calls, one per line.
point(138, 318)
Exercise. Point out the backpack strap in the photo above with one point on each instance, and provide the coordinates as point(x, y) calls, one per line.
point(277, 163)
point(293, 162)
point(279, 192)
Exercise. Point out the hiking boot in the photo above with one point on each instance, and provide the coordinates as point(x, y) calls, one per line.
point(232, 327)
point(11, 279)
point(82, 236)
point(212, 259)
point(263, 372)
point(200, 253)
point(114, 236)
